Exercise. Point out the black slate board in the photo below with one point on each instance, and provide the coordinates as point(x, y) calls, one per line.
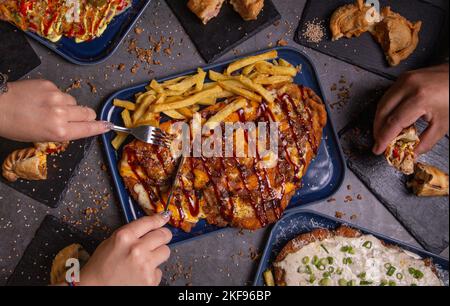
point(51, 237)
point(364, 51)
point(17, 57)
point(224, 32)
point(427, 219)
point(61, 169)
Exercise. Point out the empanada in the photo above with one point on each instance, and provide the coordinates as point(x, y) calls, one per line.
point(51, 147)
point(351, 20)
point(400, 153)
point(58, 271)
point(28, 164)
point(397, 36)
point(248, 9)
point(205, 9)
point(429, 181)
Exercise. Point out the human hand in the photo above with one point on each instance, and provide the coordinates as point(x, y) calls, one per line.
point(417, 94)
point(37, 111)
point(131, 256)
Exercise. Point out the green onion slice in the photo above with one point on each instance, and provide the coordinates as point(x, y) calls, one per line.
point(367, 244)
point(305, 260)
point(391, 271)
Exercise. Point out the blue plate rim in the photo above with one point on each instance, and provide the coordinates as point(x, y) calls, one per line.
point(72, 60)
point(300, 211)
point(107, 108)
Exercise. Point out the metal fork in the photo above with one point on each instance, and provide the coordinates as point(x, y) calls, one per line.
point(146, 133)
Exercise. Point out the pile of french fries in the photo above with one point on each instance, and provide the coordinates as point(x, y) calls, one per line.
point(181, 97)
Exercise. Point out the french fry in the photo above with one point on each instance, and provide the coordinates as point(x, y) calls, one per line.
point(269, 80)
point(142, 95)
point(174, 114)
point(250, 60)
point(196, 108)
point(268, 68)
point(194, 99)
point(186, 112)
point(119, 140)
point(148, 118)
point(216, 76)
point(268, 278)
point(142, 108)
point(224, 94)
point(126, 117)
point(238, 90)
point(208, 101)
point(254, 75)
point(284, 63)
point(173, 99)
point(258, 88)
point(200, 80)
point(184, 85)
point(174, 81)
point(145, 97)
point(124, 104)
point(156, 86)
point(249, 69)
point(223, 114)
point(172, 93)
point(209, 85)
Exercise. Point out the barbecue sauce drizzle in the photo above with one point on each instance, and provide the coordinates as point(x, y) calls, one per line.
point(264, 183)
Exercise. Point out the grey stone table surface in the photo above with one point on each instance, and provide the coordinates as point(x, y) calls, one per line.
point(228, 258)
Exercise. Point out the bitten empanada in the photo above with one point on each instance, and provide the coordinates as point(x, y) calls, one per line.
point(400, 153)
point(51, 147)
point(28, 164)
point(429, 181)
point(351, 20)
point(205, 9)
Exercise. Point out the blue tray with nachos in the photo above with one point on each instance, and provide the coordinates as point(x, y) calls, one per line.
point(99, 49)
point(322, 180)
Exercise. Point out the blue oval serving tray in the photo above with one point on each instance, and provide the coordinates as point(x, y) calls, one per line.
point(99, 49)
point(301, 221)
point(322, 180)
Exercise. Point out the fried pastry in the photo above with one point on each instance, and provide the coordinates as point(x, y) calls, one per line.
point(28, 164)
point(429, 181)
point(400, 153)
point(51, 147)
point(398, 36)
point(248, 9)
point(205, 9)
point(58, 271)
point(351, 20)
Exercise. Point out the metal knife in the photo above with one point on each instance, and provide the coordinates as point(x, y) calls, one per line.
point(174, 185)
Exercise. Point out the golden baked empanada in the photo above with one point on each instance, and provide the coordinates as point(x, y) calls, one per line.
point(351, 20)
point(28, 164)
point(248, 9)
point(398, 36)
point(58, 271)
point(429, 181)
point(205, 9)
